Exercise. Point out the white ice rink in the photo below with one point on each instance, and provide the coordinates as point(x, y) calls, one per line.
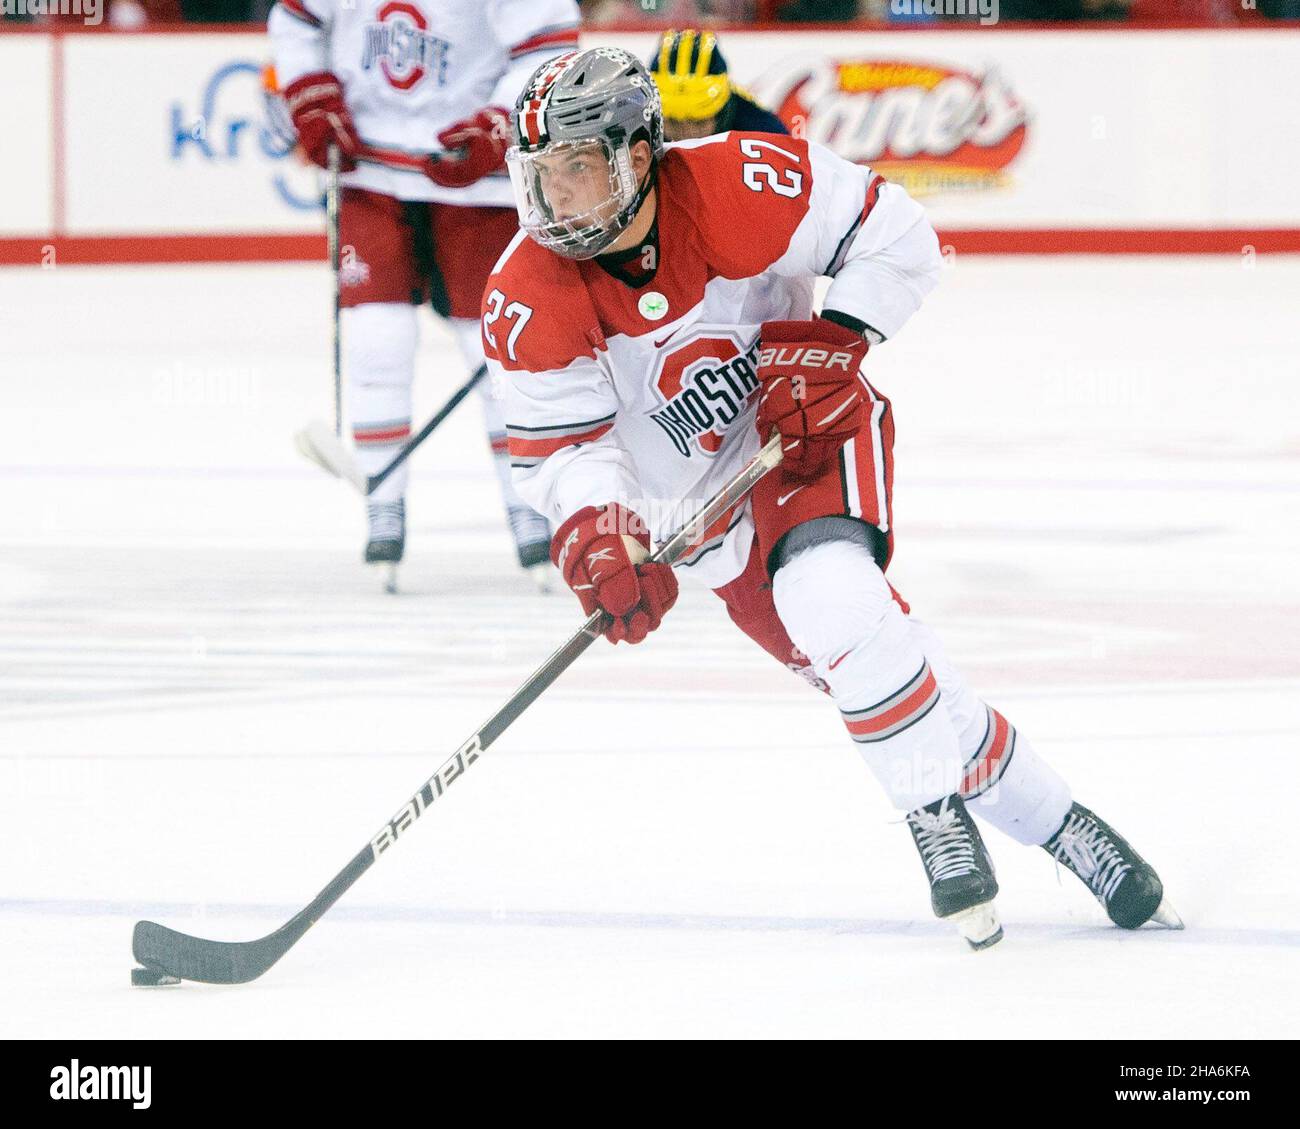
point(207, 705)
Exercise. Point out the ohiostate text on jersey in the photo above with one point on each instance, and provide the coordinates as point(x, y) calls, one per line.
point(707, 382)
point(401, 45)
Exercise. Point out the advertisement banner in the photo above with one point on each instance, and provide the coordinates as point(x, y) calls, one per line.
point(168, 133)
point(1014, 140)
point(26, 136)
point(1028, 129)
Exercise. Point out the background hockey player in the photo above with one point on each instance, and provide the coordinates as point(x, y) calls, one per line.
point(415, 77)
point(654, 319)
point(697, 93)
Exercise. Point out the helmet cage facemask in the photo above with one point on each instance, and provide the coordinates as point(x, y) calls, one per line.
point(586, 234)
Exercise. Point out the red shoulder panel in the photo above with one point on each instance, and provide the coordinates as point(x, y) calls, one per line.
point(747, 192)
point(536, 314)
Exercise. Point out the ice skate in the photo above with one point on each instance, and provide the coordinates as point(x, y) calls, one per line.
point(532, 534)
point(1120, 879)
point(387, 522)
point(535, 559)
point(962, 883)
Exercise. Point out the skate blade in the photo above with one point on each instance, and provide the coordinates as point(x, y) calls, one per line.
point(1166, 916)
point(390, 578)
point(979, 925)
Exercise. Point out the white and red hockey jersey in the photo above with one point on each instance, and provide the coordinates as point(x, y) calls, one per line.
point(645, 396)
point(411, 68)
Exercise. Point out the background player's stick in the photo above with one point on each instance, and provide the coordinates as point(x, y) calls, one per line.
point(327, 451)
point(400, 159)
point(392, 158)
point(169, 956)
point(332, 228)
point(314, 440)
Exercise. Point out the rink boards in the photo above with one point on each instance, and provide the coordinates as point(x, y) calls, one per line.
point(152, 146)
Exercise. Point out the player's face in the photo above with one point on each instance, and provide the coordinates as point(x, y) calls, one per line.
point(576, 197)
point(683, 129)
point(574, 183)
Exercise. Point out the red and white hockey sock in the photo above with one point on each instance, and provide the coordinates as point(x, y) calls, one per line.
point(1004, 780)
point(379, 342)
point(839, 610)
point(1008, 784)
point(527, 526)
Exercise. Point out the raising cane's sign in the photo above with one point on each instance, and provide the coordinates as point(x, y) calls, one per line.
point(931, 128)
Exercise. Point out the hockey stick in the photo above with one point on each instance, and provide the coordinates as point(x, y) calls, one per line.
point(168, 955)
point(315, 440)
point(402, 160)
point(328, 452)
point(332, 194)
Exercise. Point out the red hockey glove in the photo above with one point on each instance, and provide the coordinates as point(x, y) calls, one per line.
point(483, 141)
point(321, 117)
point(811, 392)
point(592, 553)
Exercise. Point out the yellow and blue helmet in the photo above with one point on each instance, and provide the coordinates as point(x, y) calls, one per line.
point(691, 75)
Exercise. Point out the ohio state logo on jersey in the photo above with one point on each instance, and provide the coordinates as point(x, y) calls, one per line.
point(706, 383)
point(403, 48)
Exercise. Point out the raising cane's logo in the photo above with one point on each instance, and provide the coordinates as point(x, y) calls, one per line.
point(706, 382)
point(931, 128)
point(402, 47)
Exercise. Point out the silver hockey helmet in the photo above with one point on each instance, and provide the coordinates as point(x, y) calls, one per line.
point(571, 164)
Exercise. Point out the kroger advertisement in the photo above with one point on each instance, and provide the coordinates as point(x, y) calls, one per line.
point(995, 131)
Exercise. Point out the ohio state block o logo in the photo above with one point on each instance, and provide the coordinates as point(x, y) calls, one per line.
point(706, 383)
point(402, 63)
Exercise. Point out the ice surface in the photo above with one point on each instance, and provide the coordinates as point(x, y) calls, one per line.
point(208, 705)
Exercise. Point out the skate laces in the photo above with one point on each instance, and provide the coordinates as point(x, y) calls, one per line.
point(946, 846)
point(386, 520)
point(1089, 852)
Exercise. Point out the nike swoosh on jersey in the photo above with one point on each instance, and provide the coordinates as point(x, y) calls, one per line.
point(661, 344)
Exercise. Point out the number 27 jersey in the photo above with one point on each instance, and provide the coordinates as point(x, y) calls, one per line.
point(645, 394)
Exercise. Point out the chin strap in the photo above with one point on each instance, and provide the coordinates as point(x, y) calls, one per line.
point(628, 214)
point(643, 192)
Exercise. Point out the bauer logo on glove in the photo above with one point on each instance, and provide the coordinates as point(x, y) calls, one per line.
point(811, 392)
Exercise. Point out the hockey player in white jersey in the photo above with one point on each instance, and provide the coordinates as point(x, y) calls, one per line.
point(410, 78)
point(650, 325)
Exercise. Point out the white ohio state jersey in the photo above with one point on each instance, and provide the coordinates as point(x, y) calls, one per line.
point(645, 394)
point(411, 68)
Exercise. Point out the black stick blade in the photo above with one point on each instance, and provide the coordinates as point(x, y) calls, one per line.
point(237, 962)
point(209, 962)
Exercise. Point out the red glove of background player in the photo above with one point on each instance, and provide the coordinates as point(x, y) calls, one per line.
point(591, 551)
point(482, 140)
point(811, 392)
point(321, 117)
